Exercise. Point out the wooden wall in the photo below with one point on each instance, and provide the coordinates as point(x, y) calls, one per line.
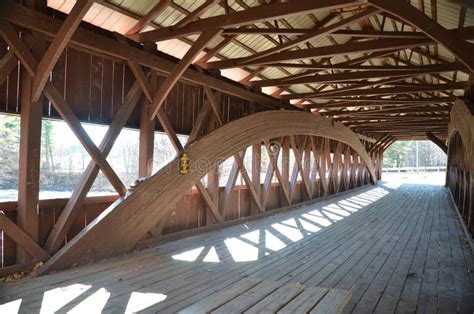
point(95, 86)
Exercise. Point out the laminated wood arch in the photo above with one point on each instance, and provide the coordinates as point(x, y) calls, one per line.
point(462, 122)
point(122, 225)
point(460, 168)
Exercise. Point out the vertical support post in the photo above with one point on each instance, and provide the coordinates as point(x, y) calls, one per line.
point(256, 169)
point(29, 164)
point(285, 161)
point(147, 128)
point(470, 223)
point(146, 141)
point(213, 188)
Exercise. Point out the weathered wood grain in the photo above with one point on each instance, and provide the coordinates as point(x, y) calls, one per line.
point(147, 205)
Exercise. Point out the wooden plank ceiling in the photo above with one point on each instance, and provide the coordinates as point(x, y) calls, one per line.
point(382, 67)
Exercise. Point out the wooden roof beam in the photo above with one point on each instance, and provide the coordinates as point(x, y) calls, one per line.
point(149, 17)
point(356, 67)
point(380, 91)
point(255, 14)
point(406, 12)
point(397, 118)
point(342, 32)
point(339, 77)
point(194, 14)
point(465, 33)
point(108, 47)
point(380, 45)
point(402, 112)
point(398, 121)
point(377, 101)
point(318, 32)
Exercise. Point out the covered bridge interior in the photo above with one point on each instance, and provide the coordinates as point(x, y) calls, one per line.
point(302, 96)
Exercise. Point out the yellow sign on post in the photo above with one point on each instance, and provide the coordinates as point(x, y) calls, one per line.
point(184, 164)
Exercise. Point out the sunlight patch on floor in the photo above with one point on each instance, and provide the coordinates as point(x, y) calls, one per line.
point(318, 218)
point(55, 299)
point(272, 242)
point(252, 236)
point(189, 256)
point(11, 307)
point(139, 301)
point(92, 304)
point(251, 245)
point(241, 251)
point(212, 256)
point(308, 226)
point(293, 234)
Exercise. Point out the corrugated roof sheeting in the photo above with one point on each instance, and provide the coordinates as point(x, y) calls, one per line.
point(243, 45)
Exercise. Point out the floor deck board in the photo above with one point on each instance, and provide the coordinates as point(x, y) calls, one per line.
point(394, 248)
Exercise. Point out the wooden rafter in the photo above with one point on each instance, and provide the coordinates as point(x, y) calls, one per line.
point(405, 11)
point(250, 16)
point(319, 32)
point(415, 88)
point(82, 38)
point(149, 17)
point(194, 14)
point(380, 45)
point(371, 101)
point(332, 78)
point(356, 67)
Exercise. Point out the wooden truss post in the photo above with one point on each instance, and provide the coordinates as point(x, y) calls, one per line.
point(146, 141)
point(256, 169)
point(29, 163)
point(213, 188)
point(147, 126)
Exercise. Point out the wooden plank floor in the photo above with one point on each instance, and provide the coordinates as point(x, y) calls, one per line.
point(397, 249)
